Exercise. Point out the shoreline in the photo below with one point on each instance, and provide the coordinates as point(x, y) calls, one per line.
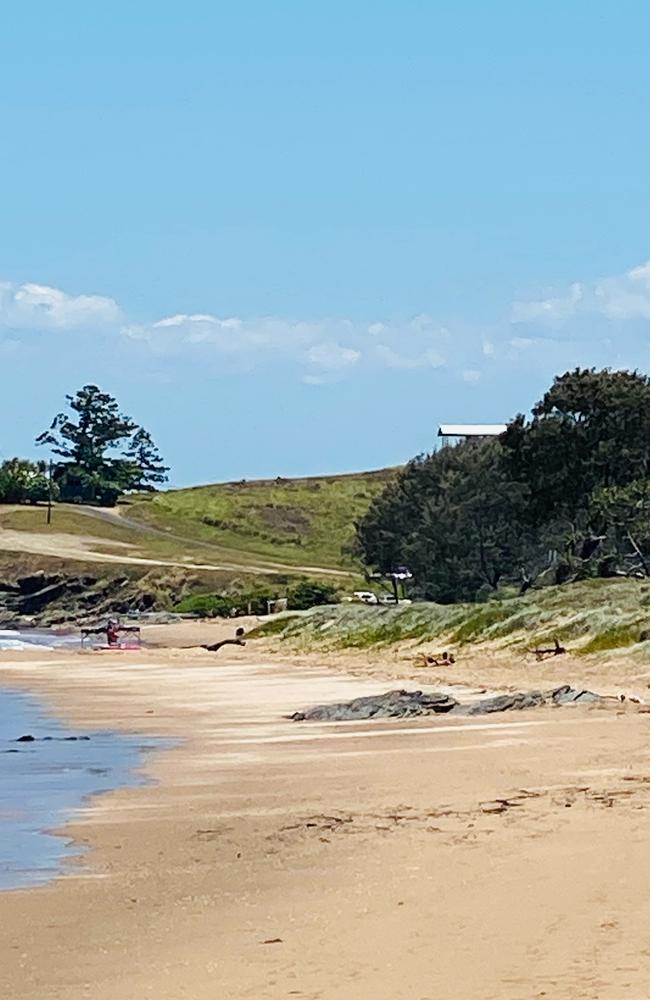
point(76, 852)
point(272, 860)
point(55, 774)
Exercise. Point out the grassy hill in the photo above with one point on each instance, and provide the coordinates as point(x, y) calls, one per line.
point(285, 526)
point(294, 521)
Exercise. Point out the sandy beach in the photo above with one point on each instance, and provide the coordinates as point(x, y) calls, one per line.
point(432, 859)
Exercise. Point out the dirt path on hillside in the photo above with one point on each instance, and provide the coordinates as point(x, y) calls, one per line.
point(88, 548)
point(397, 860)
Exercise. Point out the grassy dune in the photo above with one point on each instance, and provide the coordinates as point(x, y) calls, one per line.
point(590, 617)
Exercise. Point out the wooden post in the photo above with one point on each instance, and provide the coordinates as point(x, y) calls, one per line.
point(49, 494)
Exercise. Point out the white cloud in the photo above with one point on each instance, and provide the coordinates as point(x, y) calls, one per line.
point(621, 297)
point(181, 319)
point(331, 345)
point(319, 351)
point(230, 336)
point(471, 375)
point(626, 297)
point(555, 309)
point(39, 307)
point(332, 356)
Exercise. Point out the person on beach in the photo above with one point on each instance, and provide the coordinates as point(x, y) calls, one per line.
point(112, 632)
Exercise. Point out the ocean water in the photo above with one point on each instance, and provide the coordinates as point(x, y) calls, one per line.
point(28, 638)
point(44, 782)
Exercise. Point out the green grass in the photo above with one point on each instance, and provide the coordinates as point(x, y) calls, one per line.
point(299, 522)
point(361, 627)
point(292, 527)
point(611, 638)
point(480, 624)
point(275, 626)
point(66, 520)
point(277, 531)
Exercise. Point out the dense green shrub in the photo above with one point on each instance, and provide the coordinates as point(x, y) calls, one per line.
point(22, 481)
point(206, 605)
point(228, 605)
point(304, 594)
point(310, 593)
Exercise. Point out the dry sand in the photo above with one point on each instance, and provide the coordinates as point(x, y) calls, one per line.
point(492, 859)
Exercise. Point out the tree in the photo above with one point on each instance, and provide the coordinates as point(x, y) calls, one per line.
point(591, 429)
point(146, 459)
point(558, 497)
point(453, 518)
point(22, 481)
point(104, 452)
point(622, 514)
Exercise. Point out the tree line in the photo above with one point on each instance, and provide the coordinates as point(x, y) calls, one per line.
point(101, 454)
point(561, 495)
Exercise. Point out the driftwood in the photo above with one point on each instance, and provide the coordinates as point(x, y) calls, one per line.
point(555, 650)
point(216, 646)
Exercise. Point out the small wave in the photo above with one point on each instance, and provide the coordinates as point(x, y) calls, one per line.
point(15, 639)
point(17, 644)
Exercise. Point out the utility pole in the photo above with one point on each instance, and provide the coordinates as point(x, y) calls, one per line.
point(49, 493)
point(401, 574)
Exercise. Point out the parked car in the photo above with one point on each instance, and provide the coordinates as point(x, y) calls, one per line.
point(366, 597)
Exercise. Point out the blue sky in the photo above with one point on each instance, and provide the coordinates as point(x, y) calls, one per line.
point(294, 237)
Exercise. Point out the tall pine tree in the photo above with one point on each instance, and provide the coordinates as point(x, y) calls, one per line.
point(104, 452)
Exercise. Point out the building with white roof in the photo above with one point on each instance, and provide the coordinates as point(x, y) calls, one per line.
point(453, 433)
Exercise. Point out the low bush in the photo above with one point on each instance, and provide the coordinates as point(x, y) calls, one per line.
point(206, 605)
point(311, 593)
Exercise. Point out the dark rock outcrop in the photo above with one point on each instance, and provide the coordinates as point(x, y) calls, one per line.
point(50, 599)
point(565, 695)
point(393, 704)
point(35, 582)
point(400, 704)
point(504, 703)
point(33, 602)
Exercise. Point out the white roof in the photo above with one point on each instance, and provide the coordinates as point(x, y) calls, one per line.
point(471, 430)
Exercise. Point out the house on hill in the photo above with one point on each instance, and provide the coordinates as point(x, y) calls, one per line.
point(455, 433)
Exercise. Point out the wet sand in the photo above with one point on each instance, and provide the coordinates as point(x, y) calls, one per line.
point(426, 860)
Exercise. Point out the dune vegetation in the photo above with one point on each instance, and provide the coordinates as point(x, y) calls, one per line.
point(588, 617)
